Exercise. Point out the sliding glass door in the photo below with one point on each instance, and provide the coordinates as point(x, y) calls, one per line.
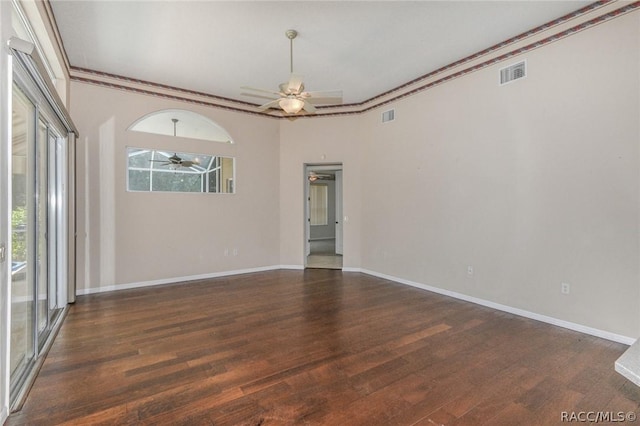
point(38, 229)
point(23, 236)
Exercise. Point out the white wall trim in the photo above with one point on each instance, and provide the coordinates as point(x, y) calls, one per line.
point(6, 81)
point(296, 267)
point(176, 280)
point(493, 305)
point(516, 311)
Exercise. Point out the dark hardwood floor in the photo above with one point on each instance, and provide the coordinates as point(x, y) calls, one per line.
point(318, 347)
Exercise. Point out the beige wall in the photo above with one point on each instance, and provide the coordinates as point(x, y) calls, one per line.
point(128, 238)
point(532, 184)
point(319, 141)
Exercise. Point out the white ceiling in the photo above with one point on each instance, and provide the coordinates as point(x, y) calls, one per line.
point(364, 48)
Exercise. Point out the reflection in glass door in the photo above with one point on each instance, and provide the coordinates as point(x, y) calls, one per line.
point(38, 233)
point(22, 236)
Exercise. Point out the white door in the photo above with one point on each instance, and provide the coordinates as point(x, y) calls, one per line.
point(339, 216)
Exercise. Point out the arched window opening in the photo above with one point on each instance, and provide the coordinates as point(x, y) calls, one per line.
point(188, 125)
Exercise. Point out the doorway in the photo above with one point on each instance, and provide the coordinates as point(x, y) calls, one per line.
point(323, 216)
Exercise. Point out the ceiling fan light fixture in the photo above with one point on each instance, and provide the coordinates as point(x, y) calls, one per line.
point(291, 105)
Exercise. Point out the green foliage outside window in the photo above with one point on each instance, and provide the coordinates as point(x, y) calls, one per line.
point(19, 234)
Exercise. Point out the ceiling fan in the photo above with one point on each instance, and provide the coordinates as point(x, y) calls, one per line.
point(313, 176)
point(174, 161)
point(292, 98)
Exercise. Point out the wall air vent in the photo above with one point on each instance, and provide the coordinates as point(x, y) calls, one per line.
point(389, 115)
point(513, 72)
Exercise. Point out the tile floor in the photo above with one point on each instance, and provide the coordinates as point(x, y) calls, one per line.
point(323, 255)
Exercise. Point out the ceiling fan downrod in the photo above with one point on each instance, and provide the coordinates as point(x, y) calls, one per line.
point(175, 121)
point(291, 34)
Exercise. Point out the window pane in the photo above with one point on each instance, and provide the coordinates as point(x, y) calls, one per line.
point(139, 158)
point(318, 195)
point(167, 171)
point(226, 179)
point(23, 235)
point(139, 180)
point(213, 181)
point(177, 182)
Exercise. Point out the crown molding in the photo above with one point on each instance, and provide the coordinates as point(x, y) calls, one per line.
point(551, 32)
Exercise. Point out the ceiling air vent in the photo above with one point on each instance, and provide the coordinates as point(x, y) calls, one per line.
point(389, 115)
point(513, 72)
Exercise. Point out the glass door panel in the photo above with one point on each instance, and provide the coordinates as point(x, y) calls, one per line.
point(41, 225)
point(22, 236)
point(57, 229)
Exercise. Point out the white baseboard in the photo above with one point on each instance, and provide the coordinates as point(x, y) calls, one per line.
point(296, 267)
point(4, 415)
point(177, 280)
point(516, 311)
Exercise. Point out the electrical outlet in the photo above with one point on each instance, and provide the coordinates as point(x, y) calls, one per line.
point(470, 270)
point(235, 251)
point(565, 288)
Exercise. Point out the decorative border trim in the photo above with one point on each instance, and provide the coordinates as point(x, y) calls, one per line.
point(160, 86)
point(509, 309)
point(519, 51)
point(168, 96)
point(553, 38)
point(56, 33)
point(589, 8)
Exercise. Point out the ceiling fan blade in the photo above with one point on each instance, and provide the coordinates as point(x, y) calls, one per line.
point(323, 94)
point(268, 105)
point(324, 97)
point(324, 101)
point(253, 89)
point(308, 107)
point(255, 95)
point(295, 84)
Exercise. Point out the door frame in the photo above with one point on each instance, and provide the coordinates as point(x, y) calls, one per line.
point(320, 167)
point(27, 75)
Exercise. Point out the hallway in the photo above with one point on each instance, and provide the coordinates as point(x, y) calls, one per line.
point(323, 255)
